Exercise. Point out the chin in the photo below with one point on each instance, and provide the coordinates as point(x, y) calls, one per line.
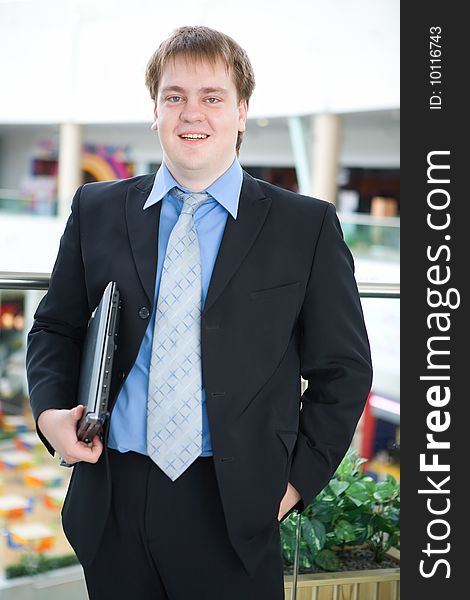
point(192, 164)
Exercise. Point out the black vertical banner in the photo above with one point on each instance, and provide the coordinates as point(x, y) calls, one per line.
point(435, 357)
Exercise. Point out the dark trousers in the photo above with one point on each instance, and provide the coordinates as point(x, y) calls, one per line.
point(167, 540)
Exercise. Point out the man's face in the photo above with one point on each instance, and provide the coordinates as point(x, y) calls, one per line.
point(198, 99)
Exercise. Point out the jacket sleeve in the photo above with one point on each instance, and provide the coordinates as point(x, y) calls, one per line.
point(55, 340)
point(335, 360)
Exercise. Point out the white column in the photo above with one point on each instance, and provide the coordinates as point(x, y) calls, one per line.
point(299, 143)
point(325, 155)
point(70, 165)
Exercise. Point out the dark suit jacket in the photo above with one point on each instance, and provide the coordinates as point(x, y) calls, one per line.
point(282, 303)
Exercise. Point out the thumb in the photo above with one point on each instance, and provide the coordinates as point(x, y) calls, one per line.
point(77, 412)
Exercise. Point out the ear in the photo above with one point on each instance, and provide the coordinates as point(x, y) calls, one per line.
point(155, 118)
point(242, 115)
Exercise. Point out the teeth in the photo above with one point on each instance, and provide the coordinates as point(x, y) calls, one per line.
point(194, 136)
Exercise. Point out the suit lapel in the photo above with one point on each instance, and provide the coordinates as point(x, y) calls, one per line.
point(142, 227)
point(239, 236)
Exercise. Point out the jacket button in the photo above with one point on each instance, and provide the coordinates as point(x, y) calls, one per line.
point(144, 312)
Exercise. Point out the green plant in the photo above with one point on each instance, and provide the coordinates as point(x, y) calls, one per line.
point(352, 510)
point(33, 564)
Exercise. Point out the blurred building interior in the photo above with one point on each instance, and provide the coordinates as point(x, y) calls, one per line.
point(324, 121)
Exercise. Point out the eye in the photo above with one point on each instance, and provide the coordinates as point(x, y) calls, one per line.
point(212, 98)
point(173, 99)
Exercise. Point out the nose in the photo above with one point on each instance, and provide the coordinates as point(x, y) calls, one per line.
point(192, 112)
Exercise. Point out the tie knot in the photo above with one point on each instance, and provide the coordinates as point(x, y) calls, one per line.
point(192, 200)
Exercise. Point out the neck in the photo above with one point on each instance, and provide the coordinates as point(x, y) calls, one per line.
point(196, 181)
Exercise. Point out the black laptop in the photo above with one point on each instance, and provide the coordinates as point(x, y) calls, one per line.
point(97, 364)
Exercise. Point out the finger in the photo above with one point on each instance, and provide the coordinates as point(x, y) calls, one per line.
point(83, 452)
point(77, 412)
point(96, 444)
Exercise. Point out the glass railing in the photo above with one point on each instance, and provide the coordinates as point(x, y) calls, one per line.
point(375, 245)
point(33, 485)
point(373, 237)
point(374, 241)
point(40, 202)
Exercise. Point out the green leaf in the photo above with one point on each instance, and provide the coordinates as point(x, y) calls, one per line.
point(327, 559)
point(392, 514)
point(328, 497)
point(369, 484)
point(360, 533)
point(379, 523)
point(313, 532)
point(338, 487)
point(344, 531)
point(345, 465)
point(357, 493)
point(385, 491)
point(324, 511)
point(305, 562)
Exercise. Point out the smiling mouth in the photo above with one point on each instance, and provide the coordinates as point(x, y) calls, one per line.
point(194, 137)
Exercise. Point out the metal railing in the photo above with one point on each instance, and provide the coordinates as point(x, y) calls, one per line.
point(40, 281)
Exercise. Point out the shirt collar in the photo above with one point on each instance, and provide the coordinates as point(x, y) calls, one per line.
point(226, 189)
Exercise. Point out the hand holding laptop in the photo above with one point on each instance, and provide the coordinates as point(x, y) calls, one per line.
point(76, 434)
point(60, 428)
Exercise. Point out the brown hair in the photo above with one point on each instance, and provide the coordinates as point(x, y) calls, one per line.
point(199, 43)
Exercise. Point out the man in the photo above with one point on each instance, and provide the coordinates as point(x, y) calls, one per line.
point(231, 289)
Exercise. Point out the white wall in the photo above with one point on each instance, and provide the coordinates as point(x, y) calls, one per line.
point(371, 140)
point(84, 60)
point(29, 243)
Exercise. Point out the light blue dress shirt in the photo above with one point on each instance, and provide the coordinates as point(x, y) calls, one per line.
point(128, 426)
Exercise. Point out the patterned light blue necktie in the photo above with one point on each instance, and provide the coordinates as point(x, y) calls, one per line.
point(174, 406)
